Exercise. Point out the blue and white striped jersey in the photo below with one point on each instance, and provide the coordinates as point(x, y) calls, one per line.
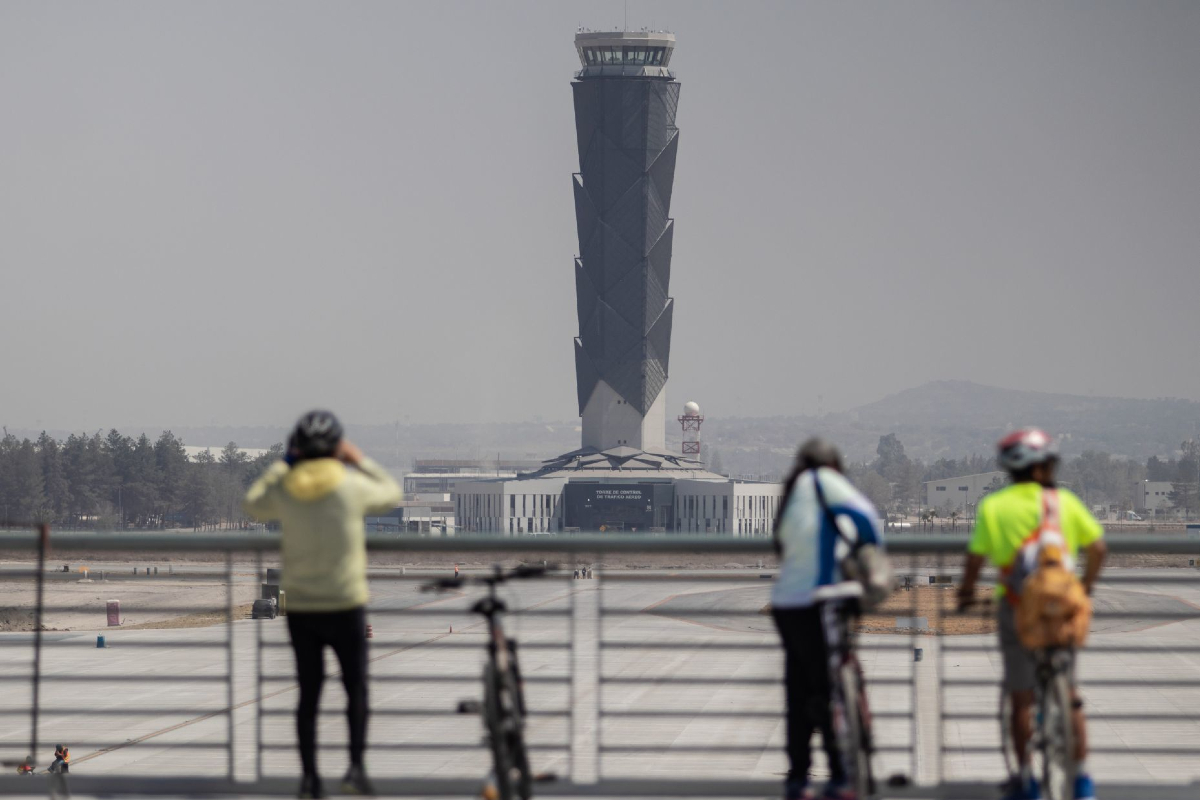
point(810, 569)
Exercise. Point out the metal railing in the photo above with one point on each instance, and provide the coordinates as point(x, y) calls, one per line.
point(652, 681)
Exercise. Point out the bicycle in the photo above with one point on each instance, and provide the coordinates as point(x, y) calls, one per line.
point(503, 707)
point(851, 711)
point(1052, 740)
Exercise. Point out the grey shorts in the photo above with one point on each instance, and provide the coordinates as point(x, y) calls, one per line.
point(1020, 665)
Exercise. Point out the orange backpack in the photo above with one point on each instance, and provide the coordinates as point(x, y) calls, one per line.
point(1052, 608)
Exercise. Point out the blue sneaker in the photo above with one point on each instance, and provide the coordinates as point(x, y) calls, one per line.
point(838, 791)
point(1014, 790)
point(1084, 788)
point(796, 790)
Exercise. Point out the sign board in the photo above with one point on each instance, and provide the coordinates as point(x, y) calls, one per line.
point(114, 612)
point(611, 507)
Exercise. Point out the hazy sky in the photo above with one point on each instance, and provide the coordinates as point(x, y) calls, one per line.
point(225, 212)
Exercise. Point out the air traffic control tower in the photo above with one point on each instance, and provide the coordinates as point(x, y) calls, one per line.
point(622, 477)
point(625, 101)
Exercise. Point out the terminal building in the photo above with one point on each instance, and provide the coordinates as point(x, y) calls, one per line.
point(621, 478)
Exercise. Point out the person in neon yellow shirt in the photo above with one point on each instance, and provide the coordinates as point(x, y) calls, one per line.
point(1004, 521)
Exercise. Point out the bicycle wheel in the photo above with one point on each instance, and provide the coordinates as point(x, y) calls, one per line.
point(1006, 740)
point(495, 716)
point(1057, 739)
point(856, 744)
point(522, 775)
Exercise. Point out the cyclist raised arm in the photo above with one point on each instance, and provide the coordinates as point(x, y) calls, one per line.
point(1006, 522)
point(805, 604)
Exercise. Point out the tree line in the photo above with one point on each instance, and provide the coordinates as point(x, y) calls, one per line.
point(893, 481)
point(116, 482)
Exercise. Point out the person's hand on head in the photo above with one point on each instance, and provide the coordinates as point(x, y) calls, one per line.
point(348, 453)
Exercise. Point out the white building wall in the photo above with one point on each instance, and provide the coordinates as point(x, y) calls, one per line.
point(509, 507)
point(1153, 496)
point(535, 506)
point(960, 491)
point(737, 509)
point(608, 421)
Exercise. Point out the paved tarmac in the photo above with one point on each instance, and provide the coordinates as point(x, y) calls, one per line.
point(677, 679)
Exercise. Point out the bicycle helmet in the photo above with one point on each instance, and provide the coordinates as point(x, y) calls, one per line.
point(316, 435)
point(817, 452)
point(1023, 448)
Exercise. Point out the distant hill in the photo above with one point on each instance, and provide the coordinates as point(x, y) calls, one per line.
point(959, 417)
point(956, 418)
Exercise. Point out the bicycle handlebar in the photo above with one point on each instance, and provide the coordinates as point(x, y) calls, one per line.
point(522, 572)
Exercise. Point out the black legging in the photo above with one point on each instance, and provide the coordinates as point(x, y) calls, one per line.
point(346, 633)
point(806, 680)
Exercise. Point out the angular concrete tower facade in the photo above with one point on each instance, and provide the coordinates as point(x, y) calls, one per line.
point(625, 101)
point(622, 478)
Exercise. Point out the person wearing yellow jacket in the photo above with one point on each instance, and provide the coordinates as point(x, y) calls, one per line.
point(319, 494)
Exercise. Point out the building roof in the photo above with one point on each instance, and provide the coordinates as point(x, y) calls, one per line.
point(624, 462)
point(991, 474)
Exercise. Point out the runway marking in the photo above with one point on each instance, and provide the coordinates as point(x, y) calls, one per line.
point(666, 615)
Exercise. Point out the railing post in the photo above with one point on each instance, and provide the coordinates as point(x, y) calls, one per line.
point(43, 545)
point(571, 670)
point(229, 658)
point(585, 684)
point(258, 684)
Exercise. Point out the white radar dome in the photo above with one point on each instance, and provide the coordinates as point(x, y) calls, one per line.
point(691, 409)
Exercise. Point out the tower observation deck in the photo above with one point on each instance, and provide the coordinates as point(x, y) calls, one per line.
point(625, 102)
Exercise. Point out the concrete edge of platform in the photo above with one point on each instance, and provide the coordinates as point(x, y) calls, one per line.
point(180, 786)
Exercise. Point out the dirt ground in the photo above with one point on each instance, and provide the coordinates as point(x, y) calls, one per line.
point(73, 604)
point(198, 620)
point(937, 604)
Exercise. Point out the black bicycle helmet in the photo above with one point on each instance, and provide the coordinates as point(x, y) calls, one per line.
point(817, 452)
point(316, 435)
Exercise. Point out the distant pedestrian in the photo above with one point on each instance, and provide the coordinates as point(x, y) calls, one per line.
point(319, 494)
point(456, 570)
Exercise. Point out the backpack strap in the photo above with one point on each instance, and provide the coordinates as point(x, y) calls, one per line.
point(1049, 521)
point(829, 516)
point(1050, 508)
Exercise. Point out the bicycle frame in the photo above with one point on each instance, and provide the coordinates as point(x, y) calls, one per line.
point(852, 712)
point(503, 706)
point(1053, 679)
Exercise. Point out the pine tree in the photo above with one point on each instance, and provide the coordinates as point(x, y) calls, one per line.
point(171, 468)
point(54, 480)
point(28, 493)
